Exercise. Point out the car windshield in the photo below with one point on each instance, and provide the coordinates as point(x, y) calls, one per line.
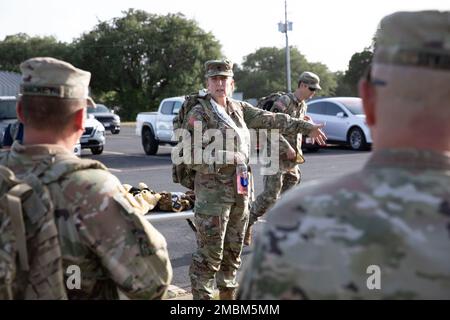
point(98, 108)
point(8, 109)
point(353, 105)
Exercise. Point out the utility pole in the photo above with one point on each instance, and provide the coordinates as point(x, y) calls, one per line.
point(284, 28)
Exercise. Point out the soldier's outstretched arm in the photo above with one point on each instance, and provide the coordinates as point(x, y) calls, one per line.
point(131, 250)
point(259, 119)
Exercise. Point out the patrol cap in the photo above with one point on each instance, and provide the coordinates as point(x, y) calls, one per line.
point(420, 39)
point(44, 76)
point(311, 79)
point(222, 67)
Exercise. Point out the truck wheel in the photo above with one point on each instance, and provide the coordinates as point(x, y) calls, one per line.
point(149, 143)
point(97, 150)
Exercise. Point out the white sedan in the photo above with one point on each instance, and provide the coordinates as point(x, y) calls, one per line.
point(344, 119)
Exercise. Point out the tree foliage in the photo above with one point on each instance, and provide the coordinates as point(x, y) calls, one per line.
point(143, 58)
point(15, 49)
point(348, 82)
point(138, 59)
point(264, 71)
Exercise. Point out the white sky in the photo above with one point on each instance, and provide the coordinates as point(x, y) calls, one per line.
point(327, 31)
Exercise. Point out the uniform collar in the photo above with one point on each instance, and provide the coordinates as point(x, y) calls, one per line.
point(410, 159)
point(37, 150)
point(232, 106)
point(296, 100)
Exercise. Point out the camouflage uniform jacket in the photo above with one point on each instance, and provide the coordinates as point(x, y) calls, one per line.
point(215, 183)
point(99, 230)
point(394, 214)
point(289, 104)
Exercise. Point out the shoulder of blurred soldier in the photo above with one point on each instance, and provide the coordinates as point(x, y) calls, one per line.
point(324, 236)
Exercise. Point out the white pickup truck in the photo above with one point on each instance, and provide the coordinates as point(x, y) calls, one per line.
point(156, 128)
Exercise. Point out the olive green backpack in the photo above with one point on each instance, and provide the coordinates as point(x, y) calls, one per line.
point(181, 173)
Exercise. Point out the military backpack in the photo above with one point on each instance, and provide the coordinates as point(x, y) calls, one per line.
point(30, 253)
point(181, 173)
point(266, 103)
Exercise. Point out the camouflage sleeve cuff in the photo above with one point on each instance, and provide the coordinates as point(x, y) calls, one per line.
point(304, 127)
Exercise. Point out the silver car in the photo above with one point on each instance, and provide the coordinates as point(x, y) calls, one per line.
point(344, 119)
point(93, 136)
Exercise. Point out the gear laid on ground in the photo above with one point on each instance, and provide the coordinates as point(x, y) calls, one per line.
point(150, 200)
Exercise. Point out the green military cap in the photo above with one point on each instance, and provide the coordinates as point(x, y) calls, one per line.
point(222, 67)
point(419, 39)
point(311, 79)
point(44, 76)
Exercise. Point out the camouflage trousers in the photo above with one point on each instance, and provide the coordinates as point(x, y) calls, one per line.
point(218, 256)
point(274, 186)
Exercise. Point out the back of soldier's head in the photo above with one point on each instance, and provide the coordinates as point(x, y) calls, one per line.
point(52, 91)
point(411, 62)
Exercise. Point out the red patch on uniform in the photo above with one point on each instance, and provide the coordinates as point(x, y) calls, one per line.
point(192, 120)
point(280, 105)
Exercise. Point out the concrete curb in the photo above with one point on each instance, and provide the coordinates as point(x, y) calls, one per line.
point(128, 124)
point(177, 293)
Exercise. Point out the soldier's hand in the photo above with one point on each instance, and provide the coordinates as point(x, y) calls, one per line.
point(291, 154)
point(317, 135)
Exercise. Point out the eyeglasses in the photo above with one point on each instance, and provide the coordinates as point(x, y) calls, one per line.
point(312, 89)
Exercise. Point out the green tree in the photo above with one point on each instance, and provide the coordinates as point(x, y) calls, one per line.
point(348, 82)
point(264, 71)
point(15, 49)
point(140, 58)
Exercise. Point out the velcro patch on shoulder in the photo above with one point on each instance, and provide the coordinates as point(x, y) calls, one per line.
point(279, 106)
point(191, 121)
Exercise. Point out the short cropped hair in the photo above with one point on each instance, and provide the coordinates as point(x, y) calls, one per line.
point(41, 112)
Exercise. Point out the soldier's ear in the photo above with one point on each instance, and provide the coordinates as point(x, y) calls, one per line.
point(79, 119)
point(367, 93)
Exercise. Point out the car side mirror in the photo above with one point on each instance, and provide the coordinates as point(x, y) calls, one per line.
point(90, 116)
point(340, 115)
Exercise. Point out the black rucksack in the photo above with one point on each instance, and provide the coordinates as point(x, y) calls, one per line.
point(267, 102)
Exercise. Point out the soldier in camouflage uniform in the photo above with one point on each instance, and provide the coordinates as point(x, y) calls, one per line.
point(289, 174)
point(13, 132)
point(99, 228)
point(383, 232)
point(221, 214)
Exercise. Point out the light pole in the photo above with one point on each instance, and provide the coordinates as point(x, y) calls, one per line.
point(284, 28)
